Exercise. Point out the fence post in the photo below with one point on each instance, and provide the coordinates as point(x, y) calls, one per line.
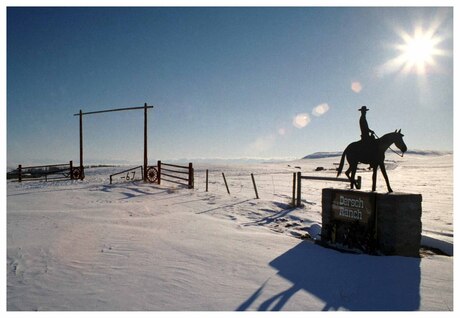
point(145, 143)
point(226, 185)
point(206, 180)
point(299, 188)
point(255, 187)
point(71, 169)
point(159, 171)
point(19, 173)
point(81, 145)
point(293, 189)
point(190, 175)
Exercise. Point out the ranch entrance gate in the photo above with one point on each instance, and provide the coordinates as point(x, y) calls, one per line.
point(79, 174)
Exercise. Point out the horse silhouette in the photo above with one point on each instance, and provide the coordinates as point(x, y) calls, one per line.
point(372, 153)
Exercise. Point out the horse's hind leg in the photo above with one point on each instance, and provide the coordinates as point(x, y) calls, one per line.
point(347, 173)
point(353, 174)
point(350, 173)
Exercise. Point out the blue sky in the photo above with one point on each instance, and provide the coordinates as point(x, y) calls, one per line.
point(225, 82)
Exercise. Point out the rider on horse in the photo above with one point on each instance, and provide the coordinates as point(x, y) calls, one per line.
point(370, 150)
point(367, 135)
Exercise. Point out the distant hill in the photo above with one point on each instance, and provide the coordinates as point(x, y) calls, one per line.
point(320, 155)
point(429, 152)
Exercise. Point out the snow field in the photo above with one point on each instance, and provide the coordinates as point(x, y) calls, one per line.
point(89, 245)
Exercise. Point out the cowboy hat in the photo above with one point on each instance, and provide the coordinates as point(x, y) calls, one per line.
point(364, 108)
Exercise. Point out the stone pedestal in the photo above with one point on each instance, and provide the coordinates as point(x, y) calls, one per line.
point(399, 225)
point(388, 224)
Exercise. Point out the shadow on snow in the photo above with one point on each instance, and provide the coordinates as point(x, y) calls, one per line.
point(344, 281)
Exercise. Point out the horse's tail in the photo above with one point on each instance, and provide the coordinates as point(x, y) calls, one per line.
point(342, 160)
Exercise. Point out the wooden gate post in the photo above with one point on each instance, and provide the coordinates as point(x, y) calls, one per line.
point(190, 176)
point(299, 188)
point(145, 143)
point(81, 145)
point(71, 169)
point(159, 171)
point(20, 173)
point(293, 188)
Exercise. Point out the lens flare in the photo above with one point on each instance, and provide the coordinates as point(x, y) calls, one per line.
point(301, 120)
point(320, 109)
point(356, 87)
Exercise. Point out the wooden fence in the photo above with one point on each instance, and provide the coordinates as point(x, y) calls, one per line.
point(297, 185)
point(45, 172)
point(176, 173)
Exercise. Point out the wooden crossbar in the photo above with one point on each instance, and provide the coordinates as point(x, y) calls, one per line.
point(325, 178)
point(175, 166)
point(113, 110)
point(45, 166)
point(175, 171)
point(297, 186)
point(172, 176)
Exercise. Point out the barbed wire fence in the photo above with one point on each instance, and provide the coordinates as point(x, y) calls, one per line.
point(269, 185)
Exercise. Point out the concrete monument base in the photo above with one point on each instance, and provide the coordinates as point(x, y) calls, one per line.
point(376, 223)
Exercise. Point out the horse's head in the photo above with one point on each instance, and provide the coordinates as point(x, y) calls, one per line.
point(399, 142)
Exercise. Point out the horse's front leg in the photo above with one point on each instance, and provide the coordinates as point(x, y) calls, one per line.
point(384, 172)
point(374, 178)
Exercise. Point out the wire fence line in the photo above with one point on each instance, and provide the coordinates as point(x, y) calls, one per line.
point(271, 185)
point(268, 184)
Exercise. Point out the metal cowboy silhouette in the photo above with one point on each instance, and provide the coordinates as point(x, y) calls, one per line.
point(366, 133)
point(370, 151)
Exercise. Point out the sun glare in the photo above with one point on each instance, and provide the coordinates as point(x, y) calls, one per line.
point(418, 51)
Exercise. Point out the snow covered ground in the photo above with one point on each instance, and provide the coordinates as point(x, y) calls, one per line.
point(89, 245)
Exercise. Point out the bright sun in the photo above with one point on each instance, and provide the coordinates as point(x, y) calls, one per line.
point(418, 51)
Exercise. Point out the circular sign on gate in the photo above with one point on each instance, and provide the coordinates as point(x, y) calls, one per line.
point(77, 173)
point(152, 174)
